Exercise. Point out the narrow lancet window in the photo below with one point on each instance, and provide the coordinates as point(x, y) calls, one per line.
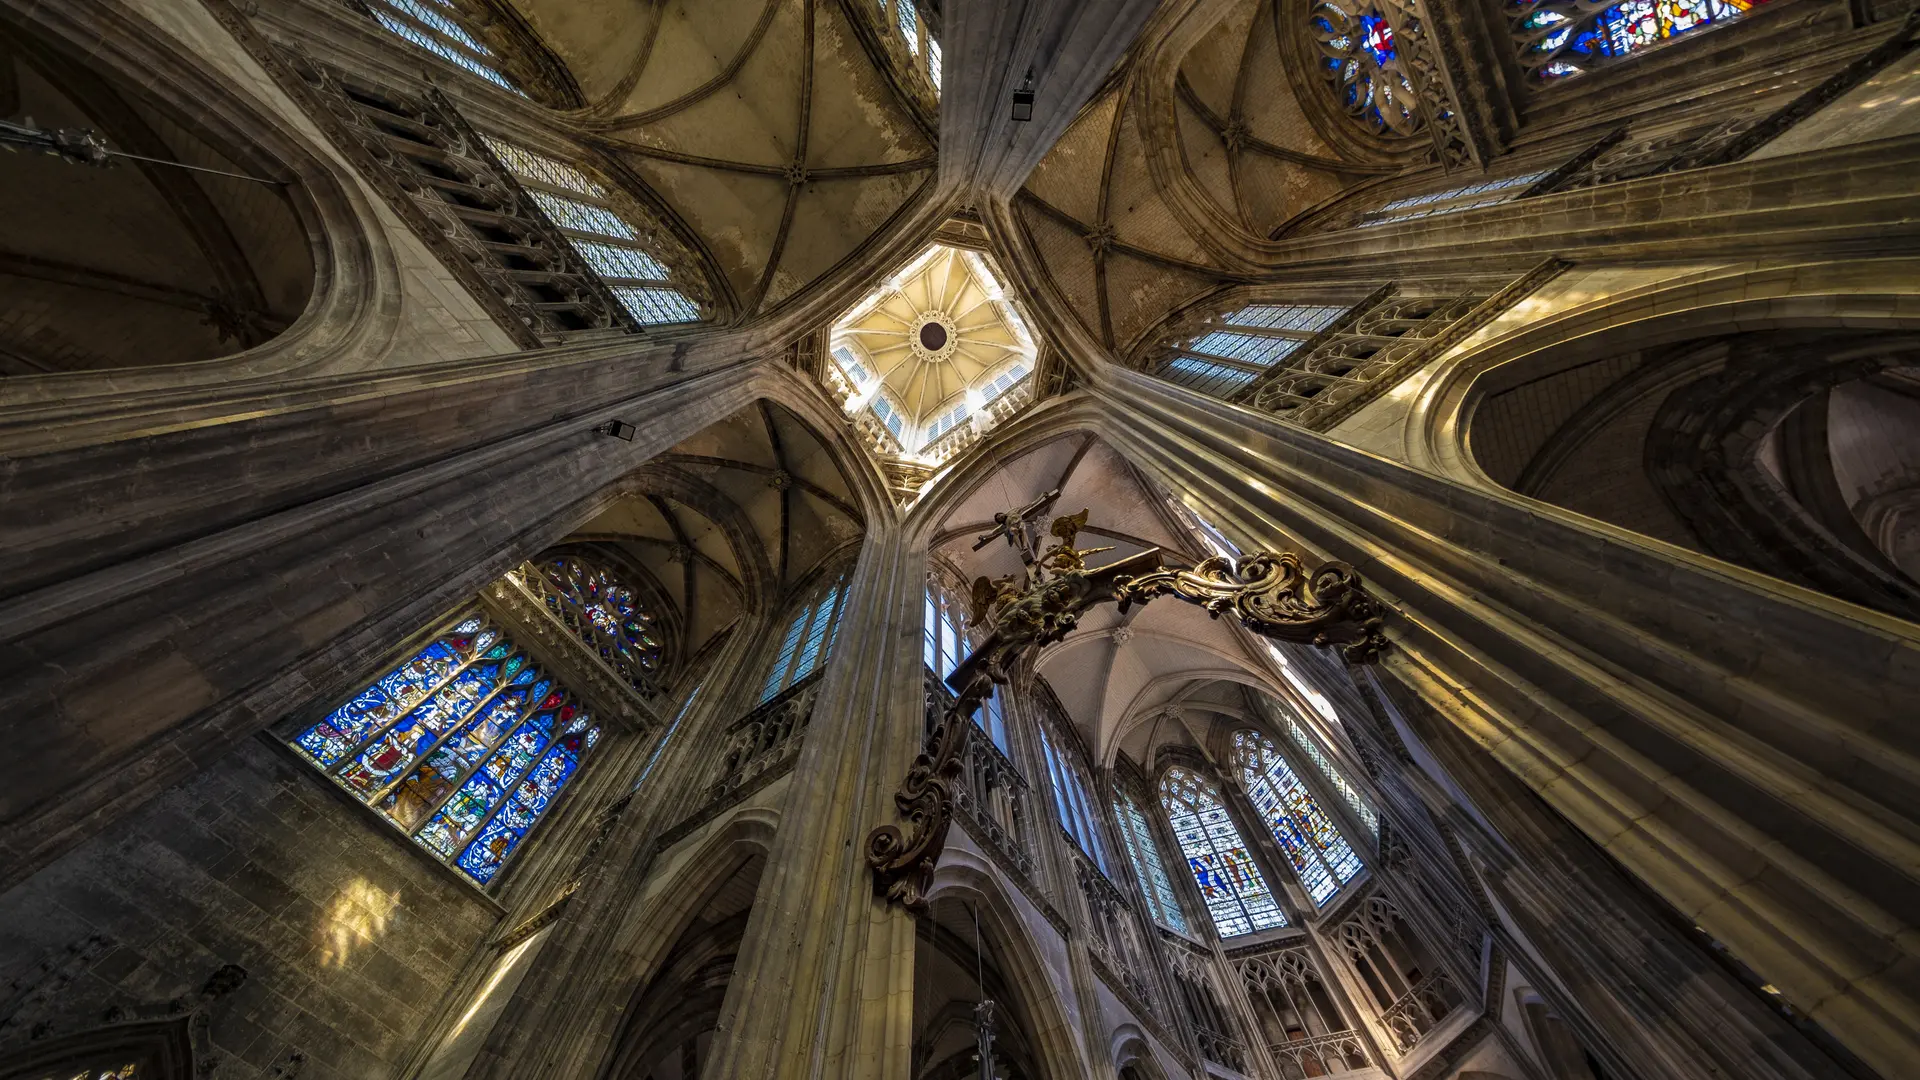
point(583, 210)
point(1322, 859)
point(1136, 832)
point(464, 747)
point(1235, 892)
point(808, 640)
point(1071, 802)
point(1335, 778)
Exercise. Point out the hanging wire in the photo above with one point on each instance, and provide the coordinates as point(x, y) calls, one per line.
point(85, 147)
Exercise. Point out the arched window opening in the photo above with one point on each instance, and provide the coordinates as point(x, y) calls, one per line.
point(669, 1024)
point(1303, 1028)
point(946, 644)
point(439, 27)
point(1331, 773)
point(1558, 39)
point(464, 747)
point(217, 263)
point(585, 214)
point(1322, 859)
point(591, 601)
point(1224, 361)
point(1412, 992)
point(808, 642)
point(1075, 809)
point(1235, 892)
point(918, 34)
point(1143, 851)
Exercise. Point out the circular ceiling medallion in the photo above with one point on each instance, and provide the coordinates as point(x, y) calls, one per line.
point(933, 337)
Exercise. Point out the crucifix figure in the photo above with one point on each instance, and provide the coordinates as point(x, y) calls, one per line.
point(1018, 525)
point(1270, 593)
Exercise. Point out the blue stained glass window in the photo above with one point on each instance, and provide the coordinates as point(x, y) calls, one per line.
point(1562, 38)
point(445, 746)
point(1143, 851)
point(1235, 892)
point(909, 17)
point(1322, 859)
point(851, 365)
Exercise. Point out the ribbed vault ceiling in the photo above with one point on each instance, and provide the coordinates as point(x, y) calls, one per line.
point(730, 519)
point(766, 125)
point(1177, 168)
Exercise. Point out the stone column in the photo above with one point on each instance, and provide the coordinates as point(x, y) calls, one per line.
point(823, 984)
point(1733, 741)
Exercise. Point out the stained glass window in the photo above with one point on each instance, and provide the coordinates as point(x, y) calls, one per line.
point(1561, 38)
point(1321, 857)
point(463, 747)
point(808, 640)
point(1236, 893)
point(593, 603)
point(1071, 803)
point(1360, 55)
point(1222, 362)
point(1143, 851)
point(436, 26)
point(609, 244)
point(909, 18)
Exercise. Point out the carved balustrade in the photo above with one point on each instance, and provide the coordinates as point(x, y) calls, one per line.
point(1320, 1055)
point(1420, 1010)
point(1113, 933)
point(990, 794)
point(767, 739)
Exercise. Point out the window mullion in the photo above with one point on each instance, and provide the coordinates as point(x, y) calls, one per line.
point(353, 752)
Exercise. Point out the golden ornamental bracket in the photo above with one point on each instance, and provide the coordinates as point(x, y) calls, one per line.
point(1272, 594)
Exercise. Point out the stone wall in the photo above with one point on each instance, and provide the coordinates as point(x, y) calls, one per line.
point(347, 938)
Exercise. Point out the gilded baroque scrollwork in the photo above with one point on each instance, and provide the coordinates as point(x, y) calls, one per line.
point(1271, 593)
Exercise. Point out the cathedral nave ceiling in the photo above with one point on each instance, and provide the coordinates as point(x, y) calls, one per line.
point(729, 520)
point(1115, 670)
point(1176, 178)
point(765, 125)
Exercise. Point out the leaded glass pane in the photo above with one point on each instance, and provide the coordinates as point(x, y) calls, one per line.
point(909, 17)
point(1144, 852)
point(1308, 318)
point(1235, 892)
point(1322, 858)
point(655, 307)
point(582, 217)
point(1561, 38)
point(1205, 376)
point(933, 63)
point(442, 744)
point(386, 14)
point(1246, 348)
point(620, 262)
point(540, 168)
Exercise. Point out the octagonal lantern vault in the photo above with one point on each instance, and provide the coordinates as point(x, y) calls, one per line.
point(933, 358)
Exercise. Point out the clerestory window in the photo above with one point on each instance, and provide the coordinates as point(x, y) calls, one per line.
point(808, 640)
point(1224, 361)
point(583, 211)
point(1321, 857)
point(439, 27)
